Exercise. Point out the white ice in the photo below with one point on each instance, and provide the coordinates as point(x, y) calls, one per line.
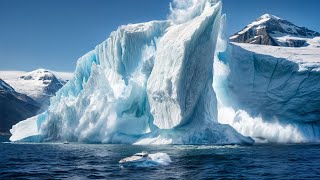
point(156, 159)
point(148, 82)
point(268, 93)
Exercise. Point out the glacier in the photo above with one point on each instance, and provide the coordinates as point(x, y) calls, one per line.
point(148, 83)
point(269, 93)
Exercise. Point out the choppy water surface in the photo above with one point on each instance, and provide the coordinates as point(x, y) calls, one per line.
point(92, 161)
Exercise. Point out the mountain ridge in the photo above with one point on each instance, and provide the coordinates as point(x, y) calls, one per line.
point(40, 84)
point(274, 31)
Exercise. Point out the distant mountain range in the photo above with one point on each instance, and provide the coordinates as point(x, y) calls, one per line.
point(272, 30)
point(25, 94)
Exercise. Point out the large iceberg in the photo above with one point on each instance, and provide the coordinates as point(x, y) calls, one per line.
point(148, 83)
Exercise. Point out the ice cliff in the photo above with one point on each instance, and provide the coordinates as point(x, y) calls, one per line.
point(148, 83)
point(270, 93)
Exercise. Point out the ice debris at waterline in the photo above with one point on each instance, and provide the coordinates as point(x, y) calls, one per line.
point(148, 83)
point(146, 160)
point(156, 159)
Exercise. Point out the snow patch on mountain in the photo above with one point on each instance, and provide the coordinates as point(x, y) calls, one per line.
point(258, 23)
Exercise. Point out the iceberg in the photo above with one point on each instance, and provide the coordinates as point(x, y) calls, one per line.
point(148, 83)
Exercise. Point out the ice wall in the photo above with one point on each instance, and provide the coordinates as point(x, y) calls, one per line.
point(269, 98)
point(181, 72)
point(148, 83)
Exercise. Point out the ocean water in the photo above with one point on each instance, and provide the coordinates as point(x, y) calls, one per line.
point(98, 161)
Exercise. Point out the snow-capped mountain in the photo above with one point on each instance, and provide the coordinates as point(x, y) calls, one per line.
point(14, 107)
point(272, 30)
point(40, 84)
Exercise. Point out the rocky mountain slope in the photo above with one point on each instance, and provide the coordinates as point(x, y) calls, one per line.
point(272, 30)
point(14, 107)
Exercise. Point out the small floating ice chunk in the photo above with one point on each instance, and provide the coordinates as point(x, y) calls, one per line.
point(161, 158)
point(146, 160)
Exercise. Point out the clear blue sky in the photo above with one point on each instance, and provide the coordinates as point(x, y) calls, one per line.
point(53, 34)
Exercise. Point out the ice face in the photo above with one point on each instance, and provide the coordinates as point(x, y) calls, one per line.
point(181, 69)
point(267, 92)
point(109, 102)
point(148, 83)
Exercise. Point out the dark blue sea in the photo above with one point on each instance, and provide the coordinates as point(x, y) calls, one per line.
point(99, 161)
